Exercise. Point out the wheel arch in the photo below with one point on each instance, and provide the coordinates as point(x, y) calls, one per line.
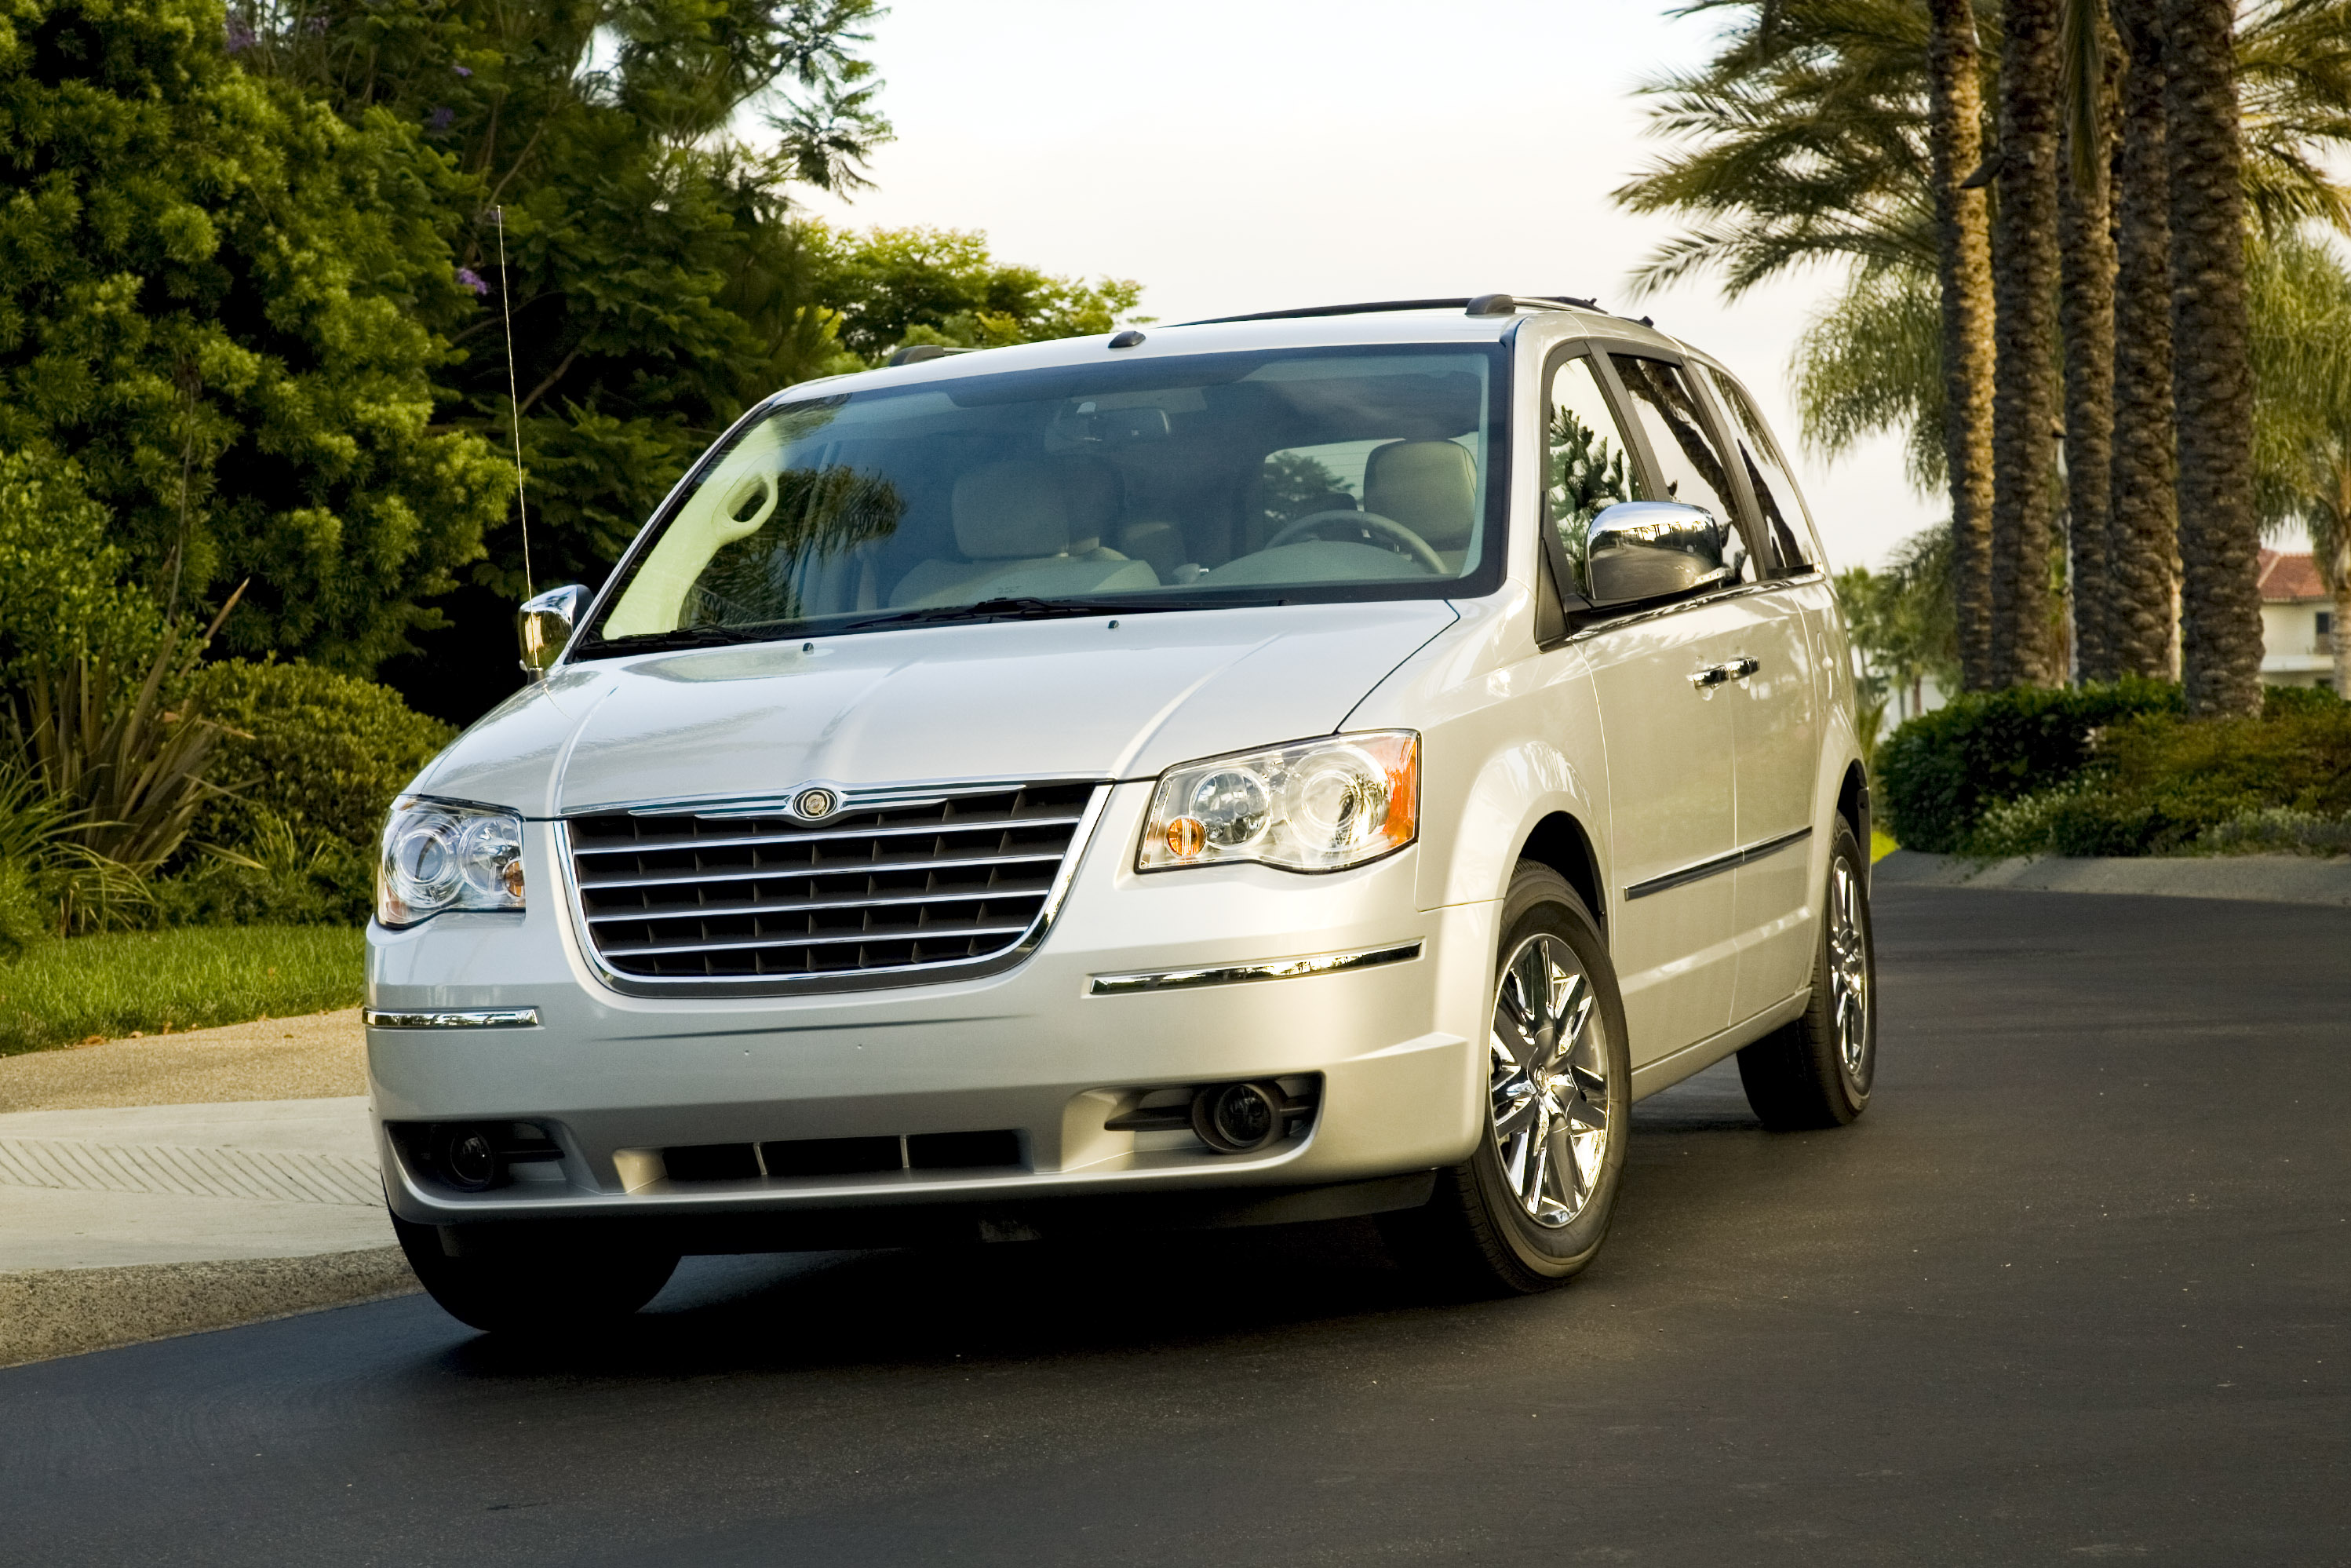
point(1560, 842)
point(1853, 803)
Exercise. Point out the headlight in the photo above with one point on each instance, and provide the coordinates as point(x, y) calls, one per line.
point(439, 856)
point(1320, 805)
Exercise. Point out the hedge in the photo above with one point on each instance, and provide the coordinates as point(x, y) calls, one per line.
point(313, 766)
point(1940, 772)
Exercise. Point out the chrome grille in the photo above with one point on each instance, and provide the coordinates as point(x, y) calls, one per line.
point(898, 879)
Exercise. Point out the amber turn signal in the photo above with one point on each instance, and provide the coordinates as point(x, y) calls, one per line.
point(1186, 837)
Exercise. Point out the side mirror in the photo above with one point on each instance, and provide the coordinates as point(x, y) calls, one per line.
point(1651, 550)
point(543, 625)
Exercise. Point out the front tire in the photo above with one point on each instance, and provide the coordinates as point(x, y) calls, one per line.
point(1816, 1072)
point(1528, 1209)
point(561, 1293)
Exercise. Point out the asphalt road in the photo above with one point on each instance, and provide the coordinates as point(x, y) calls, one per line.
point(2075, 1288)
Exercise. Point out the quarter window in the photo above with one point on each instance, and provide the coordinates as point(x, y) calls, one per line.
point(1768, 472)
point(1687, 465)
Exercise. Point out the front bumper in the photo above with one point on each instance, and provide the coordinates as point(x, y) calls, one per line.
point(1391, 1053)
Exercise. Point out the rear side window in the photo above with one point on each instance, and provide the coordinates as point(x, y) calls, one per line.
point(1768, 472)
point(1689, 467)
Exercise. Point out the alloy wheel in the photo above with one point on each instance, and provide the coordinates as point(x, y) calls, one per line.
point(1848, 968)
point(1548, 1085)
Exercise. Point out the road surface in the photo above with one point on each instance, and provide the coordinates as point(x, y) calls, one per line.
point(2077, 1287)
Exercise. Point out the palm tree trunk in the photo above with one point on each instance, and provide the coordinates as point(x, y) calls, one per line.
point(1963, 246)
point(2142, 542)
point(2212, 384)
point(2087, 312)
point(2025, 294)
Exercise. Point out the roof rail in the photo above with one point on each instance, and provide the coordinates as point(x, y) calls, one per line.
point(915, 353)
point(1370, 307)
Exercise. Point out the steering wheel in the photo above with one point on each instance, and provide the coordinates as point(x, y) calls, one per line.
point(1402, 539)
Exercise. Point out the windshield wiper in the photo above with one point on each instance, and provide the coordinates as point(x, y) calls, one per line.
point(680, 637)
point(1014, 608)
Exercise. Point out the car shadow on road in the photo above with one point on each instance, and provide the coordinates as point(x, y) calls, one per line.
point(1024, 1301)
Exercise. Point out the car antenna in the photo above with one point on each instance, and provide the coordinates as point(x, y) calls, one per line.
point(513, 402)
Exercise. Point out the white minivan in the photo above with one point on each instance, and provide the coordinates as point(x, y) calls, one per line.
point(1319, 764)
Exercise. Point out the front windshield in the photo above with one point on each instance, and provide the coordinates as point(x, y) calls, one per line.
point(1156, 484)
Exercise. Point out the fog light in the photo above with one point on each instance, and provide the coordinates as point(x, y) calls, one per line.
point(466, 1158)
point(1238, 1118)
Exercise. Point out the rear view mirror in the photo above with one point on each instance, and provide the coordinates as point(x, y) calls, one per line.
point(1652, 549)
point(1088, 426)
point(543, 625)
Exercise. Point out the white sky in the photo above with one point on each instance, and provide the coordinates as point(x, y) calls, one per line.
point(1247, 156)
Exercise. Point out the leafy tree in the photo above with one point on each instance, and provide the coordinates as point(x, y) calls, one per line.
point(221, 301)
point(625, 211)
point(1903, 620)
point(2301, 351)
point(897, 288)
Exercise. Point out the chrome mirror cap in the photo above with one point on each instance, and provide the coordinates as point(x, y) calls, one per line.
point(1650, 549)
point(543, 625)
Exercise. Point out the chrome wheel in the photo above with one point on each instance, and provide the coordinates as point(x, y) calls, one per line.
point(1848, 966)
point(1548, 1086)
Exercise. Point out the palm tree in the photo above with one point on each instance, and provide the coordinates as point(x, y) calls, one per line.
point(1812, 136)
point(2024, 269)
point(1963, 270)
point(2142, 569)
point(2212, 375)
point(2087, 312)
point(2301, 352)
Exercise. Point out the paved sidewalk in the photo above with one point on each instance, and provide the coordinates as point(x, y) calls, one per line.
point(173, 1184)
point(164, 1185)
point(2264, 879)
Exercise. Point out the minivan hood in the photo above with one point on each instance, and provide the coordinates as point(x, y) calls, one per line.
point(1095, 698)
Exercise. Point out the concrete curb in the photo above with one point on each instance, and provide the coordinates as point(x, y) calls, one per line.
point(2264, 879)
point(46, 1313)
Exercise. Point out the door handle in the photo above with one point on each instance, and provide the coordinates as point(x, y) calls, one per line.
point(1713, 676)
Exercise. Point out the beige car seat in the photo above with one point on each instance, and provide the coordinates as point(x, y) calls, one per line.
point(1029, 529)
point(1429, 486)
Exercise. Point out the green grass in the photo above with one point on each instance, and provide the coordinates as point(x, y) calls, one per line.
point(61, 993)
point(1881, 844)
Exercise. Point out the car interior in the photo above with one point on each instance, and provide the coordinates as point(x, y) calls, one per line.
point(1325, 472)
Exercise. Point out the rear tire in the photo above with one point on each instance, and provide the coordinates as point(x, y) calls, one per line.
point(562, 1292)
point(1816, 1072)
point(1528, 1209)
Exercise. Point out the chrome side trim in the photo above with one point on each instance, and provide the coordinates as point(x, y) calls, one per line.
point(861, 979)
point(1705, 869)
point(1242, 974)
point(1617, 621)
point(465, 1017)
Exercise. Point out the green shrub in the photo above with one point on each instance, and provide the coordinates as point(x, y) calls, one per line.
point(28, 910)
point(1942, 771)
point(2164, 784)
point(314, 764)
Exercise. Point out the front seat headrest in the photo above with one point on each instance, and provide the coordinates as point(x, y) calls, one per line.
point(1012, 511)
point(1429, 486)
point(1096, 497)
